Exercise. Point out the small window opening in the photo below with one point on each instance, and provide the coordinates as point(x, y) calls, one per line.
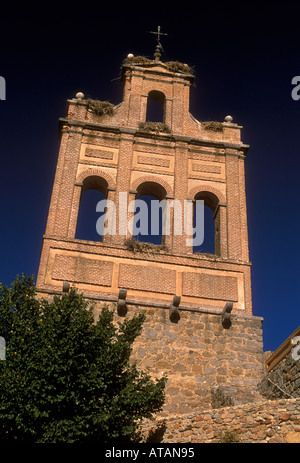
point(155, 107)
point(148, 214)
point(208, 245)
point(211, 237)
point(93, 191)
point(147, 220)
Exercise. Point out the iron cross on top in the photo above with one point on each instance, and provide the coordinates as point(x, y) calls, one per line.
point(158, 33)
point(159, 47)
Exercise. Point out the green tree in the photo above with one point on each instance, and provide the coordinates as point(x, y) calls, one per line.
point(67, 376)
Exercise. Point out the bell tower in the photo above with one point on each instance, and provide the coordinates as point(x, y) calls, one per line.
point(151, 145)
point(178, 158)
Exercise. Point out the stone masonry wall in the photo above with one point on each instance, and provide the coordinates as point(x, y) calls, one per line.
point(283, 380)
point(276, 421)
point(197, 353)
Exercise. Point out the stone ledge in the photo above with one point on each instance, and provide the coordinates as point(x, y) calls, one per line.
point(158, 305)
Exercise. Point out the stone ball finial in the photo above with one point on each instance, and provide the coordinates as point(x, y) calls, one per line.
point(228, 119)
point(79, 95)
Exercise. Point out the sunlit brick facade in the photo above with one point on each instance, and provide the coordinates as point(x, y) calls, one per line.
point(185, 160)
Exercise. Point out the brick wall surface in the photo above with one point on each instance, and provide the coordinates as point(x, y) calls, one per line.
point(146, 278)
point(80, 270)
point(187, 161)
point(213, 286)
point(201, 280)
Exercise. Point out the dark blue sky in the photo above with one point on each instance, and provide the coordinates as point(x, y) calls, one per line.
point(244, 58)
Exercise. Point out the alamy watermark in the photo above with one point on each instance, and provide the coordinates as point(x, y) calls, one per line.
point(296, 349)
point(188, 218)
point(2, 348)
point(2, 88)
point(296, 89)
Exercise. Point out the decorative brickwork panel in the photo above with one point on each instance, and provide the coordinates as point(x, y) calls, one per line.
point(206, 168)
point(89, 152)
point(153, 161)
point(102, 140)
point(82, 270)
point(98, 155)
point(210, 286)
point(147, 278)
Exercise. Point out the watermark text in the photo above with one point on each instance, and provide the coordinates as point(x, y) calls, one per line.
point(2, 88)
point(138, 217)
point(2, 348)
point(296, 349)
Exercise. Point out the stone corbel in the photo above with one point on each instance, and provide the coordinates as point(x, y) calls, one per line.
point(174, 311)
point(226, 315)
point(122, 308)
point(66, 287)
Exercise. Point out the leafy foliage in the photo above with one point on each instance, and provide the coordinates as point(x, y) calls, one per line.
point(229, 437)
point(67, 377)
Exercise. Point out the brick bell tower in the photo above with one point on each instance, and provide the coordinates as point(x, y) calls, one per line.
point(199, 328)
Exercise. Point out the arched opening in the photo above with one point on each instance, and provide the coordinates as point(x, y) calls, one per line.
point(94, 189)
point(148, 213)
point(155, 107)
point(211, 232)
